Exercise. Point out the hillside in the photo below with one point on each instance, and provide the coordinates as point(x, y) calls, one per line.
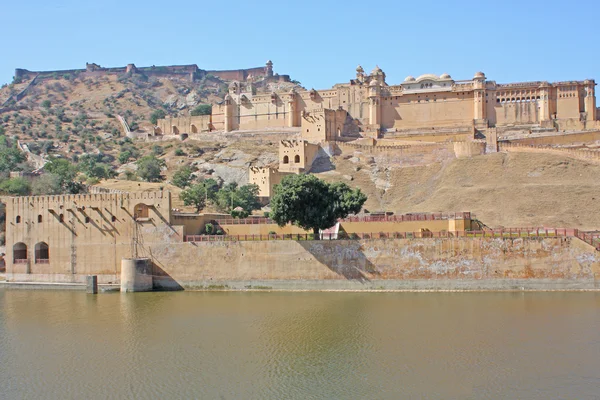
point(70, 117)
point(514, 189)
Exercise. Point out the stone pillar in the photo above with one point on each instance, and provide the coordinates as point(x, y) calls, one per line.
point(228, 114)
point(478, 104)
point(589, 101)
point(136, 275)
point(544, 103)
point(292, 111)
point(374, 112)
point(91, 284)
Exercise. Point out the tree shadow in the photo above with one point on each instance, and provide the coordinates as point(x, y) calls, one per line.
point(344, 257)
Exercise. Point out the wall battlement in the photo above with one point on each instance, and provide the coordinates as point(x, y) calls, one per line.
point(191, 71)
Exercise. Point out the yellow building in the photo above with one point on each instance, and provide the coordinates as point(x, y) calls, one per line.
point(423, 103)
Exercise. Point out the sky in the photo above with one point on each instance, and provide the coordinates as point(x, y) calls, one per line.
point(319, 43)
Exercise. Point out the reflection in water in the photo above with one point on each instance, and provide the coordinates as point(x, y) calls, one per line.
point(299, 345)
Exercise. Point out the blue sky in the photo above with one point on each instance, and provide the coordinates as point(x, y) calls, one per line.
point(318, 43)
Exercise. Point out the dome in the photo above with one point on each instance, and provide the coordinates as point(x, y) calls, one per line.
point(427, 76)
point(374, 82)
point(445, 76)
point(479, 75)
point(409, 78)
point(359, 69)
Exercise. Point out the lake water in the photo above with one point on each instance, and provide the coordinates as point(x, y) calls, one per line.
point(235, 345)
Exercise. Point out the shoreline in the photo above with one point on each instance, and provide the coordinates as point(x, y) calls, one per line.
point(336, 286)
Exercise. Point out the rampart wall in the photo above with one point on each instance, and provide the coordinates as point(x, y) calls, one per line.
point(560, 139)
point(580, 154)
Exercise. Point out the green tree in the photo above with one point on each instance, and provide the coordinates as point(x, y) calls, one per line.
point(66, 173)
point(182, 177)
point(96, 166)
point(231, 196)
point(149, 168)
point(312, 204)
point(195, 196)
point(200, 194)
point(202, 109)
point(124, 156)
point(46, 104)
point(157, 150)
point(11, 158)
point(156, 115)
point(212, 187)
point(47, 184)
point(16, 187)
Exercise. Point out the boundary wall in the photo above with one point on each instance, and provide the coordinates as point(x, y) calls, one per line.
point(580, 154)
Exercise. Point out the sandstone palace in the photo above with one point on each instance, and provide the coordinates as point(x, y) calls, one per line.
point(369, 106)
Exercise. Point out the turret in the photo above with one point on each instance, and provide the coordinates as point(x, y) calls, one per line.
point(269, 69)
point(228, 113)
point(589, 101)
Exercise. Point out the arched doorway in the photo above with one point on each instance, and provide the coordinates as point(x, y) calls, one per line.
point(297, 159)
point(140, 211)
point(286, 160)
point(42, 253)
point(175, 130)
point(19, 253)
point(194, 129)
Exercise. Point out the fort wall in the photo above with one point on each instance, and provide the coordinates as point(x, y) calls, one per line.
point(580, 154)
point(443, 263)
point(564, 139)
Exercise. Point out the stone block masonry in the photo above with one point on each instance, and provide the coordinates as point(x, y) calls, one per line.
point(404, 264)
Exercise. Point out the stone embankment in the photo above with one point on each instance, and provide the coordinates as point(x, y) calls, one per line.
point(464, 263)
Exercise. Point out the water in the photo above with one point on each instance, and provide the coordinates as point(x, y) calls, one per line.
point(299, 345)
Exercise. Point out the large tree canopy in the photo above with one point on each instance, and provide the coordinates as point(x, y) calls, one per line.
point(312, 204)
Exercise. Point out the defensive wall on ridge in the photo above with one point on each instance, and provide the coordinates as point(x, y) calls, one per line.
point(189, 72)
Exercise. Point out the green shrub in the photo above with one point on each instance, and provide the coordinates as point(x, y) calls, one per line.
point(202, 109)
point(179, 152)
point(209, 228)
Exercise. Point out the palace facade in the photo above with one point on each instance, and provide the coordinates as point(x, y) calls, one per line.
point(369, 106)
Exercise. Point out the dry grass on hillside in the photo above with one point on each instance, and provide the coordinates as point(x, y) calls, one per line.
point(513, 189)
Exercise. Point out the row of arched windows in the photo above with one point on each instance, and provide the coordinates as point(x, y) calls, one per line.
point(61, 218)
point(286, 159)
point(517, 99)
point(41, 253)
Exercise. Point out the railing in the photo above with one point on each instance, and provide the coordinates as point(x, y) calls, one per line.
point(20, 261)
point(491, 233)
point(592, 238)
point(409, 217)
point(42, 261)
point(245, 221)
point(366, 218)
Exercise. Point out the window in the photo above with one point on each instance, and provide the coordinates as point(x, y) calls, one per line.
point(18, 219)
point(61, 218)
point(113, 218)
point(19, 253)
point(296, 158)
point(286, 160)
point(87, 220)
point(42, 253)
point(39, 219)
